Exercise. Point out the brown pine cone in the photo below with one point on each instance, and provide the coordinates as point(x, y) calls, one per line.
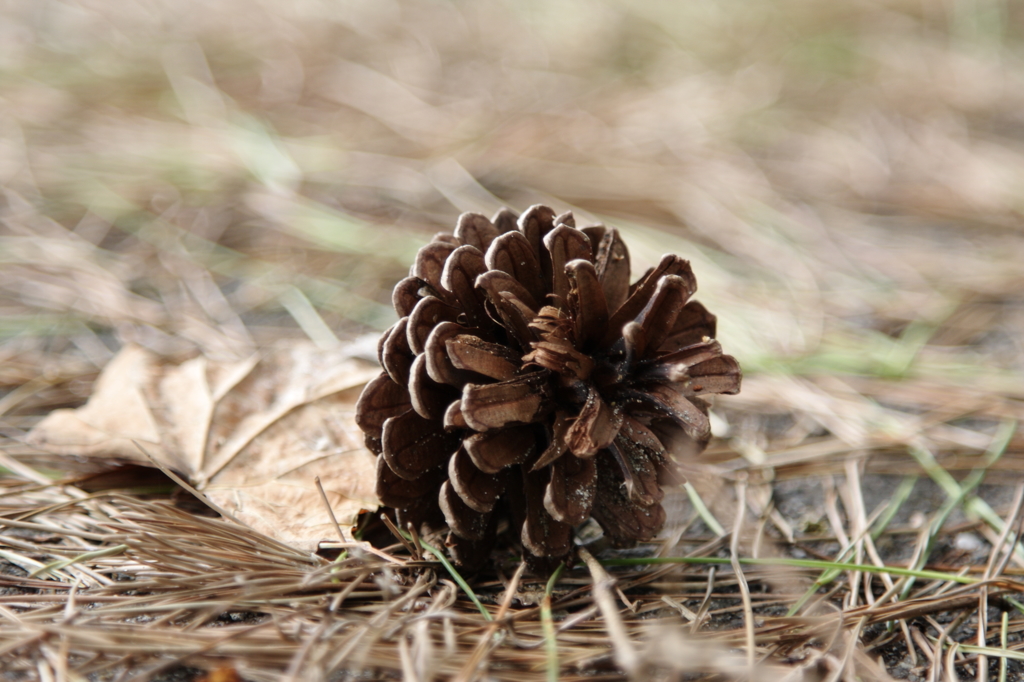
point(528, 380)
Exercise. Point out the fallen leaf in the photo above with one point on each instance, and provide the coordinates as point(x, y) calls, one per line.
point(252, 436)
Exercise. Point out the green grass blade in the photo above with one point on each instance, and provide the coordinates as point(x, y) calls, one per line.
point(456, 576)
point(550, 643)
point(705, 514)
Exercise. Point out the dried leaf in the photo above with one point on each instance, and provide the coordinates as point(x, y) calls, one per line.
point(250, 435)
point(117, 414)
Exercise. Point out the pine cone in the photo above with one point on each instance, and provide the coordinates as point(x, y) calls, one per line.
point(527, 380)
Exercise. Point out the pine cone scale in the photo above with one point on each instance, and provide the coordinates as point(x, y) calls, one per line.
point(588, 302)
point(398, 492)
point(499, 286)
point(693, 420)
point(494, 451)
point(542, 534)
point(636, 432)
point(512, 254)
point(644, 290)
point(595, 428)
point(612, 265)
point(520, 400)
point(438, 363)
point(464, 521)
point(430, 262)
point(658, 318)
point(428, 397)
point(558, 442)
point(406, 295)
point(459, 277)
point(565, 244)
point(478, 489)
point(637, 471)
point(413, 445)
point(492, 360)
point(623, 521)
point(380, 400)
point(396, 356)
point(569, 495)
point(476, 230)
point(429, 312)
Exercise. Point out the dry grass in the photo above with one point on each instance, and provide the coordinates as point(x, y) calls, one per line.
point(845, 177)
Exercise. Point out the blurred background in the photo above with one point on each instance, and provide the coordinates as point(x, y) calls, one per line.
point(846, 177)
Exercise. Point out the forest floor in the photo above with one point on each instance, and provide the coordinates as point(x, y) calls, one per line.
point(229, 181)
